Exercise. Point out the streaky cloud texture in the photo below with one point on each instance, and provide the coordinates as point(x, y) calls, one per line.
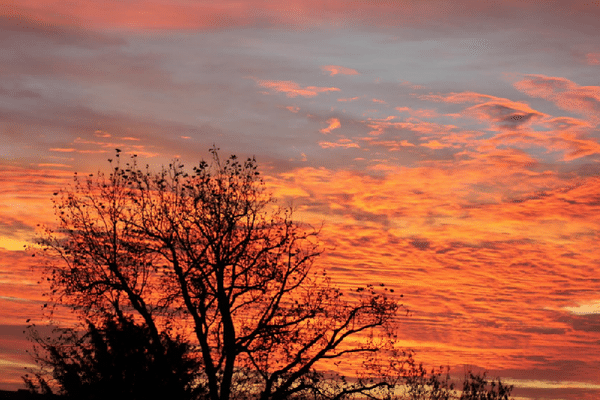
point(449, 150)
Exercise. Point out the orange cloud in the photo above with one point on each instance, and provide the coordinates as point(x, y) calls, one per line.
point(336, 69)
point(434, 144)
point(505, 114)
point(342, 143)
point(334, 123)
point(379, 126)
point(567, 123)
point(292, 89)
point(27, 192)
point(391, 145)
point(572, 144)
point(53, 165)
point(507, 159)
point(502, 113)
point(578, 146)
point(564, 93)
point(458, 202)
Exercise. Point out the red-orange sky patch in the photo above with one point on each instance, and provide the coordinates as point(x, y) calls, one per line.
point(433, 241)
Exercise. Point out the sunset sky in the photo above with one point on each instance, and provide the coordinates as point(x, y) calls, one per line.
point(450, 148)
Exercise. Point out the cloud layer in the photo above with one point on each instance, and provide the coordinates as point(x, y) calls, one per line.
point(451, 149)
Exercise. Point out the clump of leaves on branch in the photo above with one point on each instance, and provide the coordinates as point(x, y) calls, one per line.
point(206, 258)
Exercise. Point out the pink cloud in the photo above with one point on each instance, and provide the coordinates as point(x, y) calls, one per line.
point(336, 69)
point(504, 113)
point(564, 93)
point(293, 89)
point(205, 14)
point(457, 98)
point(501, 112)
point(348, 99)
point(593, 58)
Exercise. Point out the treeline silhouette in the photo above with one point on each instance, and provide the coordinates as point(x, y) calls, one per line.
point(195, 285)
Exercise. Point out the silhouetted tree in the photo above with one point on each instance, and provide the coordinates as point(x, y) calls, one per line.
point(115, 361)
point(423, 384)
point(477, 387)
point(419, 383)
point(207, 255)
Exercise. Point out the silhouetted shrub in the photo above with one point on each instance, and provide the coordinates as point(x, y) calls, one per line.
point(117, 360)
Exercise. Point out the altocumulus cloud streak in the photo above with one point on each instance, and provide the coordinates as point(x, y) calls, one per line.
point(450, 148)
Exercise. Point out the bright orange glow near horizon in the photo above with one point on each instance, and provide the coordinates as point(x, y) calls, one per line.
point(449, 149)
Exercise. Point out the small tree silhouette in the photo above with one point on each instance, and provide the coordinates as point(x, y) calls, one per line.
point(420, 383)
point(477, 387)
point(206, 255)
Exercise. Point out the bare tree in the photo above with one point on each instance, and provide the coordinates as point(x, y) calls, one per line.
point(208, 256)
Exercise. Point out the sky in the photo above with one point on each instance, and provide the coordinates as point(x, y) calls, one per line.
point(450, 150)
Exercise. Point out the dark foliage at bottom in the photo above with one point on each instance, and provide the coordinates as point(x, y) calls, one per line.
point(436, 384)
point(116, 361)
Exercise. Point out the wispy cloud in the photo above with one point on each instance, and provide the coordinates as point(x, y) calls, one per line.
point(564, 93)
point(337, 69)
point(293, 89)
point(593, 58)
